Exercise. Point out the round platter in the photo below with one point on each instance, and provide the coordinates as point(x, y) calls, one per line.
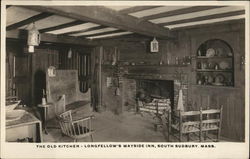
point(219, 78)
point(224, 65)
point(210, 52)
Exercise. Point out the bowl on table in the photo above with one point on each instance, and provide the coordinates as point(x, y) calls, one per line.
point(12, 105)
point(14, 114)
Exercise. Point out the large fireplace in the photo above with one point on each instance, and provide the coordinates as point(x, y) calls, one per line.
point(146, 90)
point(154, 86)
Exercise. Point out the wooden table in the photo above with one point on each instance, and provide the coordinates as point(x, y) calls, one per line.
point(45, 109)
point(27, 126)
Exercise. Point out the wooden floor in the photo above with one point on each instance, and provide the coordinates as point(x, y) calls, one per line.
point(127, 127)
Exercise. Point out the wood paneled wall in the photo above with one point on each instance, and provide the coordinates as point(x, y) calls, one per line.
point(80, 59)
point(18, 69)
point(42, 59)
point(233, 99)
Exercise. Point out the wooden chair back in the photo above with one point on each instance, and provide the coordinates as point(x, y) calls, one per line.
point(211, 121)
point(200, 121)
point(75, 129)
point(183, 123)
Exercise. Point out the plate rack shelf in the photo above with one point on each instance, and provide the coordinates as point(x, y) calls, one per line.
point(215, 64)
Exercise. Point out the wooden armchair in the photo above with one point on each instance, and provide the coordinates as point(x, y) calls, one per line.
point(76, 129)
point(183, 123)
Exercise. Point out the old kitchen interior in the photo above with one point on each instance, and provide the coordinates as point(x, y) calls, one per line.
point(129, 67)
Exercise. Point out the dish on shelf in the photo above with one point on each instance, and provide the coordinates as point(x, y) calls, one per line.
point(211, 65)
point(210, 79)
point(125, 63)
point(221, 52)
point(218, 84)
point(219, 78)
point(210, 52)
point(224, 65)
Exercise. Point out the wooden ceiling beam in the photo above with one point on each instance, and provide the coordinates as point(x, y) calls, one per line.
point(8, 6)
point(85, 30)
point(136, 9)
point(214, 16)
point(107, 17)
point(45, 37)
point(103, 33)
point(179, 12)
point(28, 21)
point(62, 26)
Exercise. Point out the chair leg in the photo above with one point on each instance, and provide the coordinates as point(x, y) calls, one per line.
point(91, 136)
point(188, 137)
point(180, 137)
point(168, 134)
point(218, 136)
point(200, 136)
point(205, 135)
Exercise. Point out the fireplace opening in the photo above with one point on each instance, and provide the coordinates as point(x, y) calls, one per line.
point(147, 90)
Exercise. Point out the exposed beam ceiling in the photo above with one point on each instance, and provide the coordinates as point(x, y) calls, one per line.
point(22, 34)
point(114, 35)
point(180, 11)
point(107, 17)
point(206, 25)
point(77, 22)
point(29, 20)
point(110, 21)
point(204, 18)
point(104, 33)
point(136, 9)
point(85, 30)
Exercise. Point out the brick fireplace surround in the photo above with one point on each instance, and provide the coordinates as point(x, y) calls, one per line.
point(130, 88)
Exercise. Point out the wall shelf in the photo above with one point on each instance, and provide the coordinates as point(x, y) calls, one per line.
point(213, 86)
point(155, 65)
point(213, 70)
point(214, 57)
point(215, 64)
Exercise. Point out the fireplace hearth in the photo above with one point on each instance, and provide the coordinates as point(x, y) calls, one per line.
point(148, 90)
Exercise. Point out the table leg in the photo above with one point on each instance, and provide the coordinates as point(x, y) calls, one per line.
point(45, 118)
point(40, 131)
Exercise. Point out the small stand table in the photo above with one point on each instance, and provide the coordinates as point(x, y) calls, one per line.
point(45, 107)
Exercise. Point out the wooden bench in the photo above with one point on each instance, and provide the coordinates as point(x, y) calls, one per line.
point(63, 91)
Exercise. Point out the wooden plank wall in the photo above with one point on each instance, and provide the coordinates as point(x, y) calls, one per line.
point(80, 60)
point(26, 66)
point(18, 72)
point(41, 60)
